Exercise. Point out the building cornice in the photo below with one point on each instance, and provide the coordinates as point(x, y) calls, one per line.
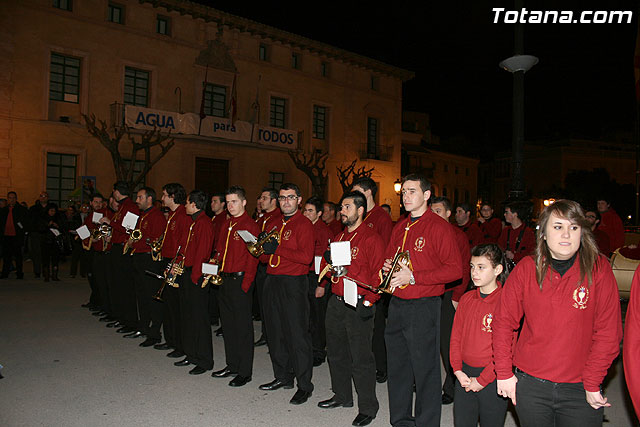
point(209, 14)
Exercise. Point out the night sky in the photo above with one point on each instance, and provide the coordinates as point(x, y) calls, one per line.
point(583, 85)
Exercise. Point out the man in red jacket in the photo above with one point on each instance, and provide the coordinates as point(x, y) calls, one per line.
point(517, 240)
point(219, 209)
point(286, 310)
point(413, 327)
point(329, 218)
point(465, 223)
point(611, 223)
point(237, 268)
point(490, 226)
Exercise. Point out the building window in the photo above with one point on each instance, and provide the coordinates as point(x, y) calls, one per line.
point(138, 167)
point(63, 4)
point(276, 179)
point(136, 87)
point(295, 61)
point(64, 78)
point(324, 69)
point(278, 112)
point(466, 196)
point(372, 138)
point(163, 25)
point(374, 83)
point(116, 13)
point(215, 100)
point(263, 53)
point(319, 122)
point(61, 176)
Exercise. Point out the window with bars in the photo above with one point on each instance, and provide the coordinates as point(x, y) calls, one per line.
point(295, 61)
point(263, 52)
point(278, 116)
point(116, 13)
point(136, 87)
point(215, 100)
point(64, 78)
point(372, 138)
point(319, 122)
point(324, 69)
point(63, 4)
point(276, 179)
point(61, 176)
point(375, 83)
point(163, 25)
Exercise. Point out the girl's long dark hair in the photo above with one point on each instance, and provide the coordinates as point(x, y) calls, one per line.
point(495, 256)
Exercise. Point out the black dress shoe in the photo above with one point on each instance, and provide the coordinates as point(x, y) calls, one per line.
point(136, 334)
point(106, 319)
point(276, 384)
point(125, 330)
point(85, 305)
point(163, 346)
point(149, 342)
point(362, 420)
point(223, 373)
point(300, 397)
point(97, 313)
point(219, 332)
point(114, 324)
point(317, 361)
point(446, 399)
point(239, 381)
point(197, 371)
point(262, 341)
point(381, 377)
point(183, 362)
point(175, 354)
point(334, 403)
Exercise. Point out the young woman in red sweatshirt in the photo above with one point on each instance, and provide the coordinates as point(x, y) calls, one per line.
point(571, 330)
point(471, 337)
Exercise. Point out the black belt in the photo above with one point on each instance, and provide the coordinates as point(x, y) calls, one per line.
point(237, 274)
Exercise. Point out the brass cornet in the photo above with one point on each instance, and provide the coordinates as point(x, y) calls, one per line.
point(256, 249)
point(214, 279)
point(401, 258)
point(156, 248)
point(174, 269)
point(134, 237)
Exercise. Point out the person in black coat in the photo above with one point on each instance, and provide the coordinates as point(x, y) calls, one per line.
point(52, 243)
point(13, 220)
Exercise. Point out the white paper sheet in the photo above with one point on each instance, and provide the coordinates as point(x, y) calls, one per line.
point(130, 220)
point(96, 217)
point(83, 232)
point(317, 260)
point(209, 268)
point(340, 253)
point(350, 292)
point(55, 232)
point(247, 236)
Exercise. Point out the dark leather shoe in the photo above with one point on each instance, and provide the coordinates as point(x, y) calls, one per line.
point(239, 381)
point(262, 341)
point(223, 373)
point(114, 324)
point(362, 420)
point(219, 332)
point(85, 305)
point(125, 330)
point(197, 371)
point(446, 399)
point(163, 346)
point(106, 319)
point(381, 377)
point(276, 384)
point(317, 361)
point(334, 403)
point(175, 354)
point(183, 362)
point(136, 334)
point(300, 397)
point(149, 342)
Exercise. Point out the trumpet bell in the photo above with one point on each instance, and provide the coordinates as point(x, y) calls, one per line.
point(401, 259)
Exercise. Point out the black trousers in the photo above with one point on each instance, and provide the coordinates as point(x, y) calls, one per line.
point(214, 305)
point(35, 251)
point(101, 273)
point(350, 356)
point(146, 286)
point(379, 325)
point(485, 405)
point(446, 324)
point(545, 403)
point(122, 291)
point(50, 255)
point(237, 324)
point(413, 339)
point(261, 276)
point(78, 257)
point(172, 319)
point(11, 249)
point(94, 297)
point(317, 313)
point(286, 317)
point(196, 328)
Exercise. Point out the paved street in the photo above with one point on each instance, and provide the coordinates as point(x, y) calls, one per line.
point(64, 368)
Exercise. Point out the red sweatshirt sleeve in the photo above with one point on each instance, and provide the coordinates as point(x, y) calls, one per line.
point(631, 343)
point(465, 259)
point(455, 346)
point(527, 245)
point(450, 267)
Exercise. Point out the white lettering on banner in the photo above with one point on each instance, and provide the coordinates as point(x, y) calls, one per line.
point(190, 124)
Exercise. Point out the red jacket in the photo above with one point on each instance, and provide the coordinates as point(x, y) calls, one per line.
point(611, 224)
point(465, 258)
point(433, 253)
point(152, 224)
point(473, 232)
point(231, 250)
point(266, 223)
point(631, 343)
point(491, 230)
point(295, 252)
point(571, 332)
point(603, 241)
point(527, 244)
point(217, 222)
point(197, 245)
point(88, 221)
point(471, 334)
point(177, 226)
point(119, 233)
point(335, 226)
point(378, 219)
point(321, 235)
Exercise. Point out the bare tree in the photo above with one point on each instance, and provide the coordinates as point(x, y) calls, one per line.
point(111, 139)
point(313, 165)
point(348, 174)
